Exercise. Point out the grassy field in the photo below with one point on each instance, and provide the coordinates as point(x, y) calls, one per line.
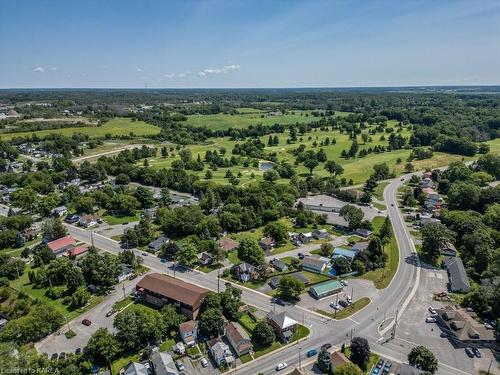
point(23, 284)
point(116, 127)
point(247, 117)
point(381, 277)
point(379, 190)
point(114, 220)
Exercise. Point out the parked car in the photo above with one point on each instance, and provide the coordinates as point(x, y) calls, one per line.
point(144, 253)
point(387, 367)
point(349, 299)
point(78, 351)
point(380, 363)
point(132, 276)
point(204, 362)
point(312, 353)
point(334, 306)
point(469, 352)
point(344, 282)
point(326, 346)
point(54, 356)
point(110, 312)
point(432, 310)
point(343, 303)
point(179, 365)
point(62, 355)
point(430, 319)
point(86, 322)
point(163, 260)
point(488, 326)
point(300, 255)
point(281, 366)
point(477, 353)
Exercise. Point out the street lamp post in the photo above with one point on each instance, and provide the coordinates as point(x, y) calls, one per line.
point(300, 358)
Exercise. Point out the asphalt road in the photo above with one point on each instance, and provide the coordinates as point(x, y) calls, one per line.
point(395, 298)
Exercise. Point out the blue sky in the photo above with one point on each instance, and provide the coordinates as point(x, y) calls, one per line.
point(111, 43)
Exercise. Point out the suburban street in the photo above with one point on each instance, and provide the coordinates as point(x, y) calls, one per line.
point(392, 301)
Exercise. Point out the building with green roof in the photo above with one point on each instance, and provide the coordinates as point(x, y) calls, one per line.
point(325, 289)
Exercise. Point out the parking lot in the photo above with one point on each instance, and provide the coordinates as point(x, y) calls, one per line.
point(413, 330)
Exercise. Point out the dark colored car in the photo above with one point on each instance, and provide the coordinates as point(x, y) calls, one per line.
point(86, 322)
point(326, 346)
point(443, 334)
point(312, 352)
point(279, 301)
point(477, 353)
point(62, 355)
point(469, 352)
point(343, 303)
point(78, 351)
point(380, 363)
point(300, 255)
point(54, 356)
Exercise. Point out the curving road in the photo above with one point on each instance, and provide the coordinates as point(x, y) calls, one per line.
point(388, 302)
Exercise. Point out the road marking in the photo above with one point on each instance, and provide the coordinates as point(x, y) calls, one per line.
point(352, 320)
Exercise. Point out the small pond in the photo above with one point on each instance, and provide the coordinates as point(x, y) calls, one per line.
point(266, 165)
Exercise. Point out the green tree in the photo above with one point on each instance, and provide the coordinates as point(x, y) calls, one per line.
point(263, 334)
point(311, 163)
point(171, 318)
point(289, 288)
point(423, 359)
point(360, 351)
point(324, 362)
point(211, 323)
point(187, 254)
point(353, 215)
point(102, 346)
point(333, 168)
point(434, 237)
point(250, 251)
point(342, 265)
point(80, 297)
point(277, 231)
point(271, 175)
point(348, 368)
point(136, 327)
point(52, 229)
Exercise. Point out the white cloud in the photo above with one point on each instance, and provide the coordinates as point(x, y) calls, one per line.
point(53, 68)
point(139, 70)
point(182, 75)
point(225, 69)
point(39, 69)
point(170, 75)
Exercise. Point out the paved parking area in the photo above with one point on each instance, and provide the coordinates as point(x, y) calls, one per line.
point(412, 329)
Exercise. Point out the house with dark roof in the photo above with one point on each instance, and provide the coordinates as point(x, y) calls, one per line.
point(159, 290)
point(457, 276)
point(62, 245)
point(460, 324)
point(238, 339)
point(135, 368)
point(448, 249)
point(158, 243)
point(360, 246)
point(267, 243)
point(284, 327)
point(205, 258)
point(314, 264)
point(305, 237)
point(363, 232)
point(221, 353)
point(279, 265)
point(338, 359)
point(163, 364)
point(245, 272)
point(320, 234)
point(227, 244)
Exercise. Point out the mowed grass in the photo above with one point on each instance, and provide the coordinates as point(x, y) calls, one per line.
point(247, 117)
point(117, 126)
point(357, 169)
point(382, 277)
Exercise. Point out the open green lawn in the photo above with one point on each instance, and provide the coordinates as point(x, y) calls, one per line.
point(247, 322)
point(379, 190)
point(381, 277)
point(123, 361)
point(23, 284)
point(123, 303)
point(377, 223)
point(114, 220)
point(167, 345)
point(233, 257)
point(315, 278)
point(116, 127)
point(247, 117)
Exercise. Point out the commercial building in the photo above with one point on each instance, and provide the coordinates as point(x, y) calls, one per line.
point(161, 289)
point(62, 245)
point(325, 289)
point(457, 276)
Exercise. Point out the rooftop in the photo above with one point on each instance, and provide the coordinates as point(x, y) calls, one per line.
point(281, 319)
point(326, 286)
point(61, 242)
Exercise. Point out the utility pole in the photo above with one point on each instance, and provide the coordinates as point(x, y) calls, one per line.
point(393, 335)
point(336, 305)
point(489, 367)
point(352, 294)
point(123, 288)
point(218, 280)
point(300, 359)
point(92, 237)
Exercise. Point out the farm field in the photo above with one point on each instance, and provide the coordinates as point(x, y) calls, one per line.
point(117, 126)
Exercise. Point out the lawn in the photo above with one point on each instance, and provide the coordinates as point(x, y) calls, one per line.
point(167, 345)
point(349, 310)
point(124, 302)
point(232, 256)
point(259, 351)
point(115, 220)
point(377, 223)
point(23, 284)
point(118, 126)
point(123, 361)
point(382, 277)
point(301, 332)
point(379, 190)
point(315, 278)
point(247, 322)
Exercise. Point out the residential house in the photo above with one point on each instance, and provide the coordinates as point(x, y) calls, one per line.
point(424, 220)
point(365, 233)
point(314, 264)
point(179, 348)
point(360, 246)
point(72, 219)
point(325, 289)
point(338, 359)
point(220, 352)
point(163, 364)
point(62, 245)
point(457, 276)
point(59, 211)
point(320, 234)
point(305, 237)
point(135, 368)
point(426, 183)
point(267, 243)
point(189, 332)
point(77, 251)
point(284, 327)
point(238, 339)
point(125, 273)
point(88, 221)
point(427, 174)
point(279, 265)
point(160, 289)
point(339, 252)
point(448, 249)
point(205, 258)
point(245, 272)
point(227, 244)
point(274, 281)
point(462, 325)
point(158, 243)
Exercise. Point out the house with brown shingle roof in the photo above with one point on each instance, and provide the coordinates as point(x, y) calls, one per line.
point(159, 290)
point(227, 244)
point(338, 359)
point(238, 339)
point(189, 332)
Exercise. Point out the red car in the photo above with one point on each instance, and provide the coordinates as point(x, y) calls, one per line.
point(86, 322)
